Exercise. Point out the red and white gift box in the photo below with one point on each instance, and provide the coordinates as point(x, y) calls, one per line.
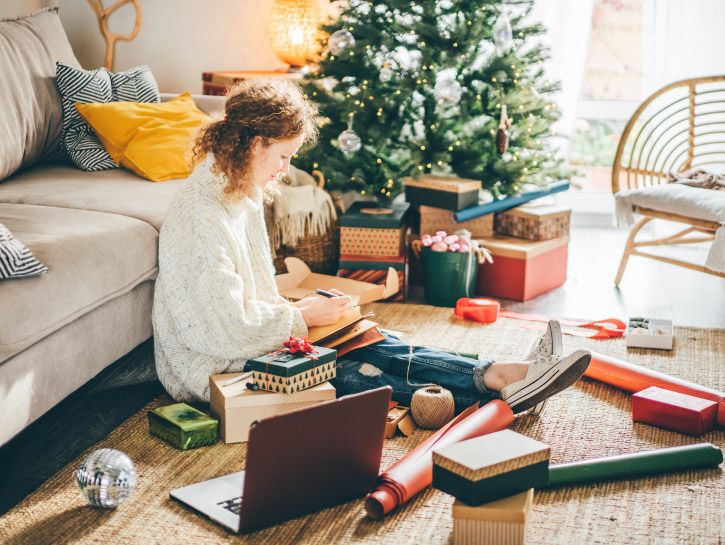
point(674, 411)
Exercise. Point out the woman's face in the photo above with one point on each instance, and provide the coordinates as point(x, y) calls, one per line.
point(269, 161)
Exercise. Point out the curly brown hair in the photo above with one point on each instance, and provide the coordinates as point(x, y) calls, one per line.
point(272, 109)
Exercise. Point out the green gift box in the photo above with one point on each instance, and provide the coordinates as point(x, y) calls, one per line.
point(288, 373)
point(491, 467)
point(183, 426)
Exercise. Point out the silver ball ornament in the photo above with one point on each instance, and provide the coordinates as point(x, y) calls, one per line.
point(340, 40)
point(106, 478)
point(503, 36)
point(447, 91)
point(386, 74)
point(349, 141)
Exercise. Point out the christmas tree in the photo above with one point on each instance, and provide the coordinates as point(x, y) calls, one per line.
point(443, 87)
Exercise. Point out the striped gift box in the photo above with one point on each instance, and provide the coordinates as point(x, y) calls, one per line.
point(501, 522)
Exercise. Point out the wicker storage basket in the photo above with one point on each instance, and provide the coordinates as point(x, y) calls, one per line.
point(321, 253)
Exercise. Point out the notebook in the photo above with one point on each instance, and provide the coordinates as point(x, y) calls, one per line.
point(297, 463)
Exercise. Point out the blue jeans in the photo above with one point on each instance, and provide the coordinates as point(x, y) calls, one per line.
point(461, 375)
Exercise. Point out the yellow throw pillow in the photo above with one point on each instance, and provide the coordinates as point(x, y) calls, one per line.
point(149, 138)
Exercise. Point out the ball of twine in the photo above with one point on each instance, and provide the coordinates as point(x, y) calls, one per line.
point(432, 407)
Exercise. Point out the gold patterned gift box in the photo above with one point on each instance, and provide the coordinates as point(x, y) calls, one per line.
point(501, 522)
point(439, 219)
point(287, 373)
point(446, 192)
point(534, 222)
point(369, 229)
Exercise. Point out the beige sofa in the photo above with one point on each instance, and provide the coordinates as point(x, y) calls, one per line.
point(97, 232)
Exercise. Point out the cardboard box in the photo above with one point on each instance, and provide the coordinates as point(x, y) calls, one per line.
point(674, 411)
point(236, 406)
point(299, 282)
point(534, 222)
point(399, 418)
point(491, 467)
point(522, 269)
point(649, 333)
point(439, 219)
point(183, 426)
point(368, 269)
point(289, 373)
point(502, 522)
point(442, 191)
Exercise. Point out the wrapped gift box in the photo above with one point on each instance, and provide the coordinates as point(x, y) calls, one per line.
point(534, 222)
point(375, 270)
point(491, 467)
point(674, 411)
point(289, 373)
point(183, 426)
point(522, 269)
point(236, 406)
point(645, 332)
point(370, 229)
point(442, 192)
point(501, 522)
point(439, 219)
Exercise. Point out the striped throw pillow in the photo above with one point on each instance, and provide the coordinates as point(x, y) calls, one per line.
point(91, 86)
point(16, 261)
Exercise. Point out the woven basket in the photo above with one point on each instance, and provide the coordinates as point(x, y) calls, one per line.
point(321, 253)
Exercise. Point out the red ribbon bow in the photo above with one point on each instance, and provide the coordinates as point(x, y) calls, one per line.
point(299, 345)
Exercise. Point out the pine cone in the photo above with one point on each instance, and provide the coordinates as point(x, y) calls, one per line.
point(502, 141)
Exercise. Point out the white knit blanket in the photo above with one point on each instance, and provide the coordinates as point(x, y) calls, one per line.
point(301, 210)
point(693, 202)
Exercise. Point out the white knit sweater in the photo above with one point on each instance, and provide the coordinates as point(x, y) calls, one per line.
point(216, 301)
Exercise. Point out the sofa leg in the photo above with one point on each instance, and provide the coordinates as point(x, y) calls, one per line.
point(629, 248)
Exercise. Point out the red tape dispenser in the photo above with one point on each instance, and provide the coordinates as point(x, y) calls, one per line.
point(478, 310)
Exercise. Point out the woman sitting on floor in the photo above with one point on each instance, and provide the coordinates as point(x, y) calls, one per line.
point(216, 303)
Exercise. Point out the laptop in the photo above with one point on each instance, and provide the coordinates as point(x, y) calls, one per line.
point(297, 463)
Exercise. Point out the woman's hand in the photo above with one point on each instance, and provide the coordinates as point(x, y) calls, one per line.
point(323, 310)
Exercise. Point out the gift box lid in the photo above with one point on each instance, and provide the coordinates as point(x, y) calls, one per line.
point(238, 395)
point(491, 455)
point(675, 399)
point(183, 416)
point(372, 215)
point(522, 248)
point(537, 211)
point(514, 508)
point(444, 183)
point(285, 364)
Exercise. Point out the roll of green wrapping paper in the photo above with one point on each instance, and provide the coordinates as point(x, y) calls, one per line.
point(636, 464)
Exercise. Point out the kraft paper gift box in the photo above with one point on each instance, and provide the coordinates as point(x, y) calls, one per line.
point(522, 269)
point(289, 373)
point(501, 522)
point(534, 222)
point(491, 467)
point(674, 411)
point(376, 270)
point(439, 219)
point(442, 192)
point(183, 426)
point(369, 229)
point(236, 406)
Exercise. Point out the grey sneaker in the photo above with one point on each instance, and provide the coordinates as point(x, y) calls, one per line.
point(546, 377)
point(549, 344)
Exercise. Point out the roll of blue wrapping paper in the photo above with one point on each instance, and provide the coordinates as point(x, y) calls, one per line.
point(507, 202)
point(637, 464)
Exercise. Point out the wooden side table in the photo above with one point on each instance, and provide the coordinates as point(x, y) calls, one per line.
point(217, 83)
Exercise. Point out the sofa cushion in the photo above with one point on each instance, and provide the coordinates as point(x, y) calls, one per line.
point(97, 86)
point(16, 261)
point(92, 258)
point(114, 191)
point(30, 107)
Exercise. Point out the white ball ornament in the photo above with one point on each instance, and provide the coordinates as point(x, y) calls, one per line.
point(340, 40)
point(386, 74)
point(502, 34)
point(349, 141)
point(447, 91)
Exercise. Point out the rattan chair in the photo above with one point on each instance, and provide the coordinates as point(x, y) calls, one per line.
point(680, 127)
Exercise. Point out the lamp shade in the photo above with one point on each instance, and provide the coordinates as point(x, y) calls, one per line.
point(293, 30)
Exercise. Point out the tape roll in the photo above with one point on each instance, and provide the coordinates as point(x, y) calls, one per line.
point(478, 309)
point(432, 407)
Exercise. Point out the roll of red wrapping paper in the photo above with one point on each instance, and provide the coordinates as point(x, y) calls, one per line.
point(636, 464)
point(634, 378)
point(414, 471)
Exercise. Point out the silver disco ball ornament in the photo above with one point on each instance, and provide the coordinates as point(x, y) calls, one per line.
point(349, 141)
point(340, 40)
point(106, 478)
point(386, 74)
point(447, 91)
point(502, 34)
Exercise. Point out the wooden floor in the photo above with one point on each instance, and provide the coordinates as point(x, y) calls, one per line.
point(648, 288)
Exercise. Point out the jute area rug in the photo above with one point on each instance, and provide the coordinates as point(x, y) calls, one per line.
point(586, 421)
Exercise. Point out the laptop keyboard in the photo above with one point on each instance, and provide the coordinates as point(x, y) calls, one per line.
point(232, 504)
